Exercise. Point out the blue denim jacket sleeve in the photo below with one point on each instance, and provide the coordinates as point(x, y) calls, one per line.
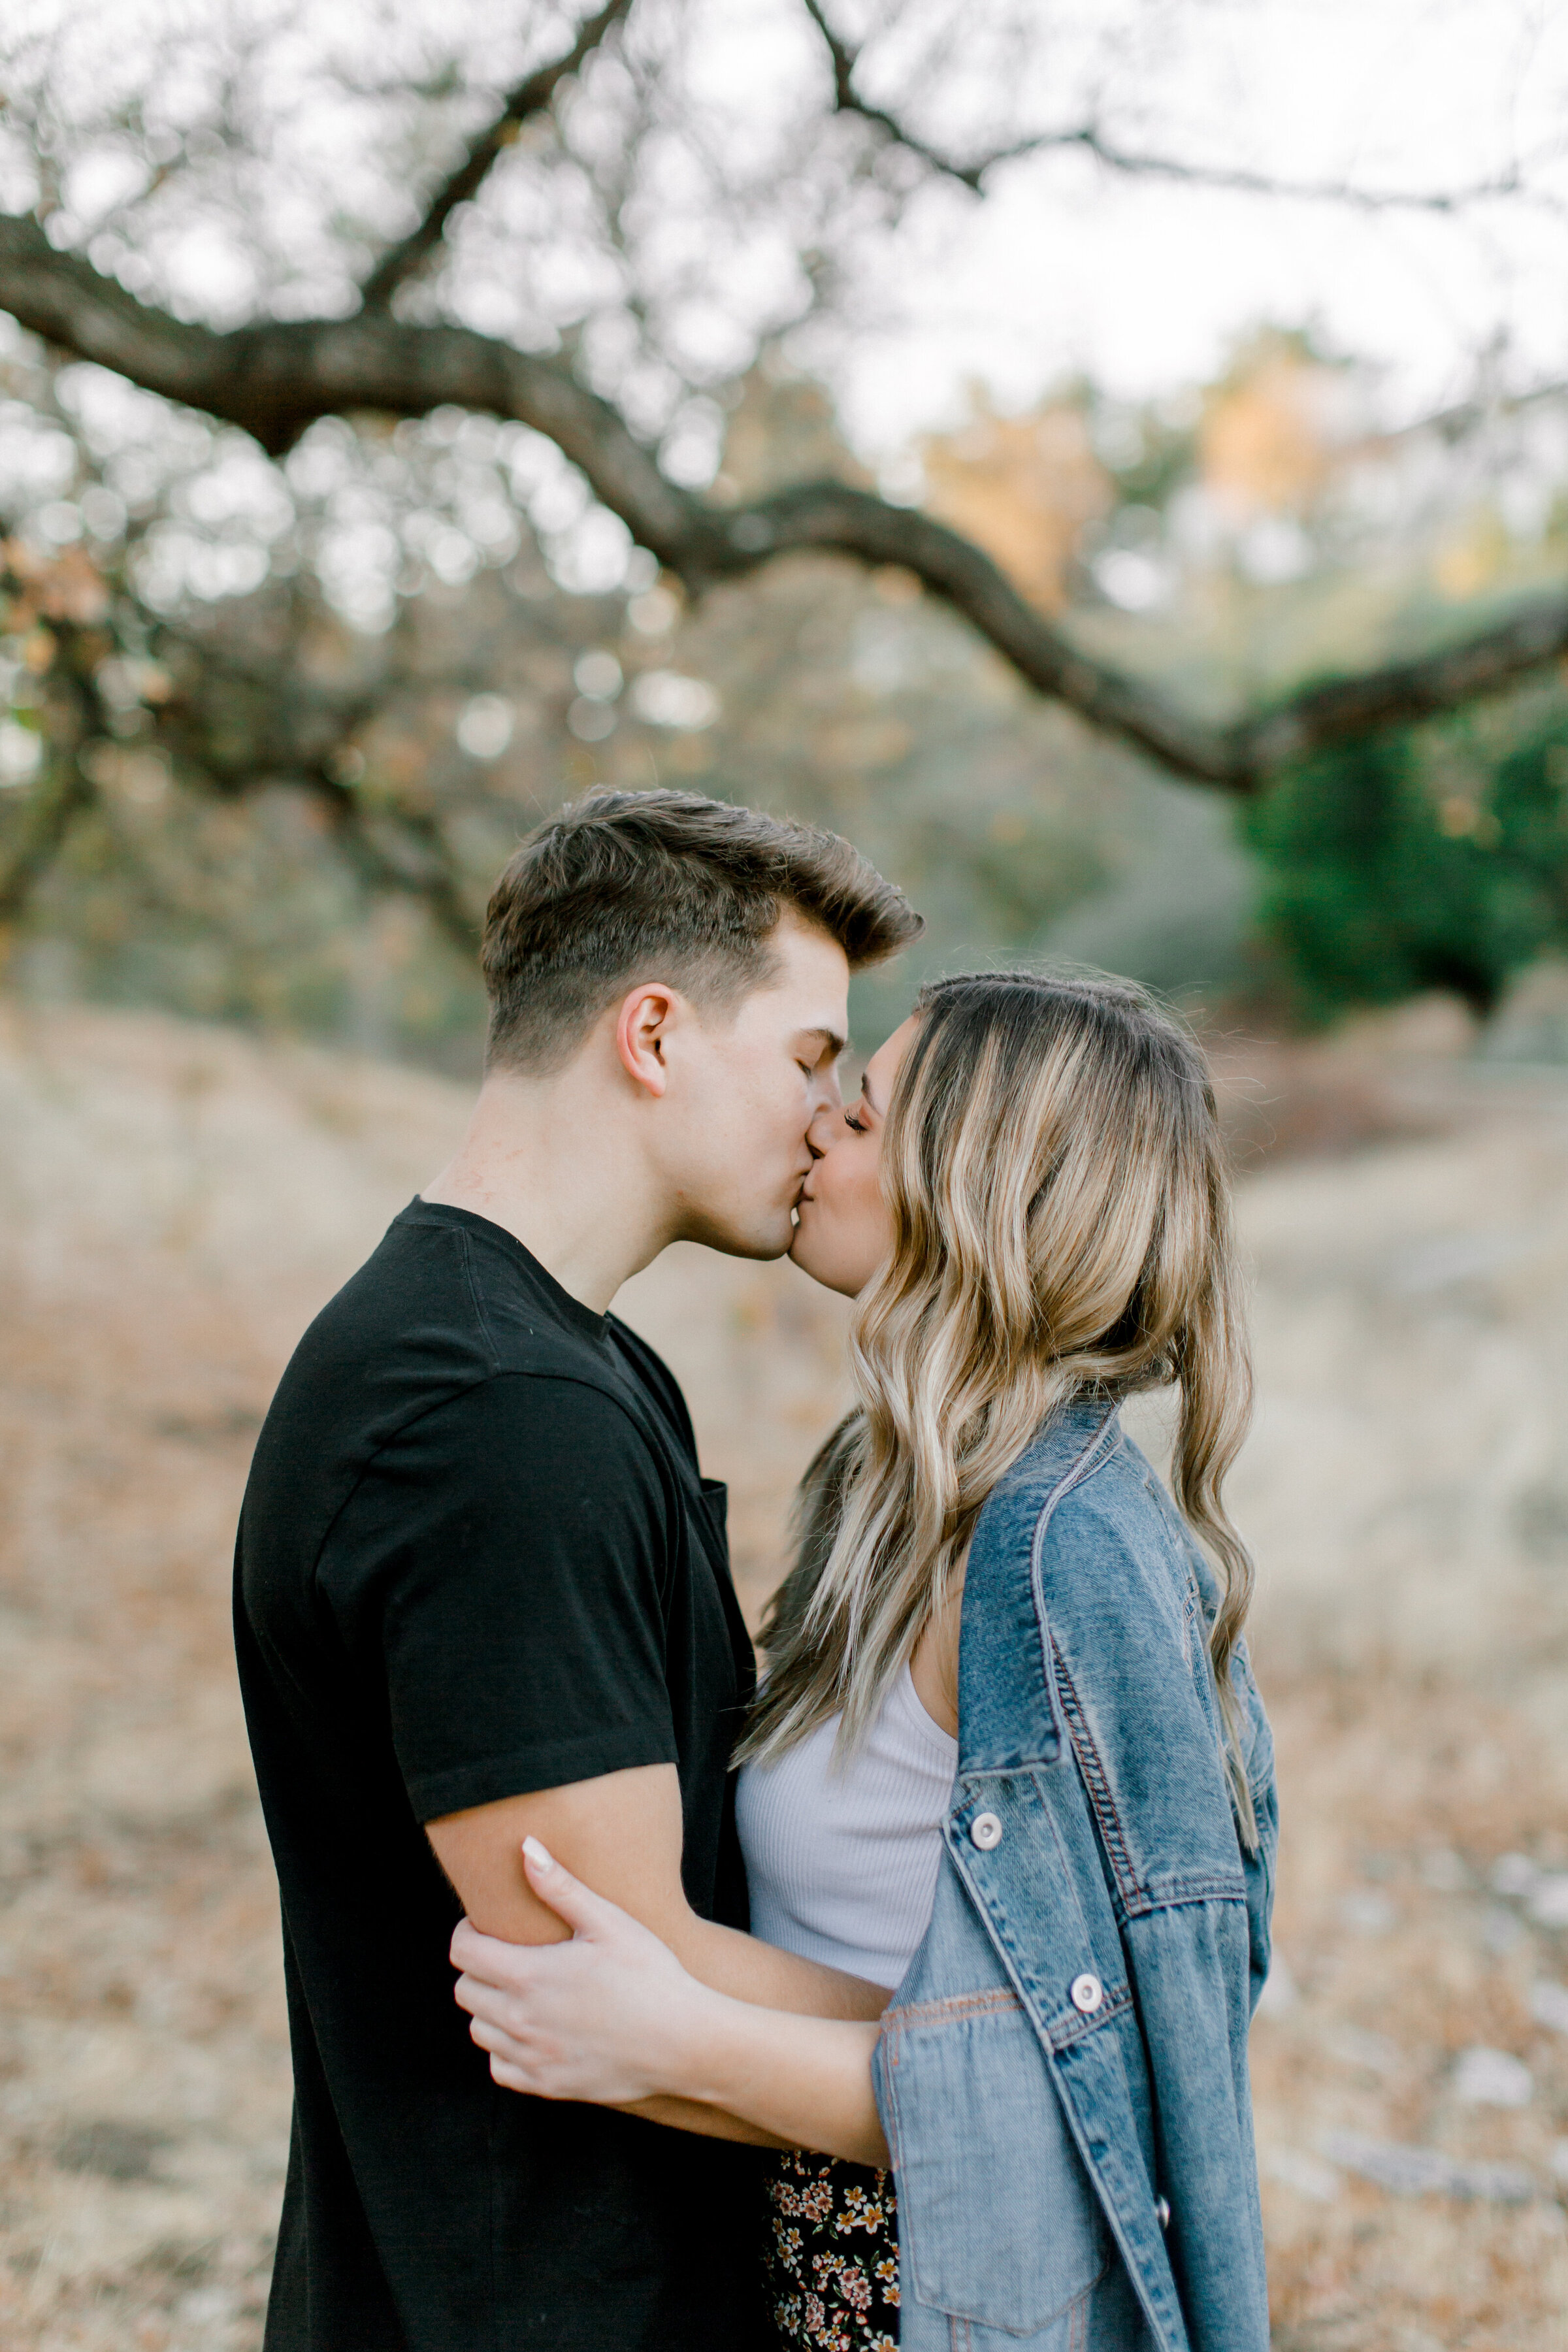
point(1258, 1864)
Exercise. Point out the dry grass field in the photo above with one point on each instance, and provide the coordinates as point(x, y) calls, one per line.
point(176, 1201)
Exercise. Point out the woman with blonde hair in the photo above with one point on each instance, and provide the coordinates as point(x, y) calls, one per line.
point(1007, 1761)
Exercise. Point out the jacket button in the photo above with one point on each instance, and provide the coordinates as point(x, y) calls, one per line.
point(985, 1831)
point(1162, 2212)
point(1085, 1992)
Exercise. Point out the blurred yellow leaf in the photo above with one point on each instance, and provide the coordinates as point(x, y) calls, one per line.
point(1023, 487)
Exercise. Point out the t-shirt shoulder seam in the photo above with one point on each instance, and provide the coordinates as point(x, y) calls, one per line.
point(466, 1238)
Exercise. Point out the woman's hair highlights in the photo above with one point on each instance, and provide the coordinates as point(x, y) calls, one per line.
point(1053, 1168)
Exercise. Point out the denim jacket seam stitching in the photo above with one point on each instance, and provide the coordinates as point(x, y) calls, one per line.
point(1183, 1894)
point(1066, 2030)
point(996, 2001)
point(1096, 1782)
point(1105, 1443)
point(1082, 1467)
point(1075, 2311)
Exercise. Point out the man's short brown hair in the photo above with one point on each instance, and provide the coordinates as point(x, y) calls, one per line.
point(623, 887)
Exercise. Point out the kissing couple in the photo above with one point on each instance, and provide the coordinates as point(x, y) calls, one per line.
point(899, 1997)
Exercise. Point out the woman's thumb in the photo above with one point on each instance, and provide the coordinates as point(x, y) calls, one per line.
point(582, 1909)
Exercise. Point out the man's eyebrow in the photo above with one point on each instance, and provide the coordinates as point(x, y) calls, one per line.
point(832, 1042)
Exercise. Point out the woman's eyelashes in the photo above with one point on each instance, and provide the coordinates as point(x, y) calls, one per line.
point(856, 1126)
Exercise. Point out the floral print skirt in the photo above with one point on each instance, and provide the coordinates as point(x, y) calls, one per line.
point(831, 2254)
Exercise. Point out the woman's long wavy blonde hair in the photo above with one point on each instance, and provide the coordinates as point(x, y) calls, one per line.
point(1053, 1168)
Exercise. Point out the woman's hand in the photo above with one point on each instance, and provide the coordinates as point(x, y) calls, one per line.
point(610, 2017)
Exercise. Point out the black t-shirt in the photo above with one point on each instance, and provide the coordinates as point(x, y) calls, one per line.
point(477, 1559)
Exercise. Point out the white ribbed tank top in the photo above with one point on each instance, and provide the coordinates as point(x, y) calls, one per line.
point(842, 1866)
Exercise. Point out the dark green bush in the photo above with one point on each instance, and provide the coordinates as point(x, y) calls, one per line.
point(1403, 862)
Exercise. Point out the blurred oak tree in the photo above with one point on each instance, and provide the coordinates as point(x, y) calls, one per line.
point(396, 430)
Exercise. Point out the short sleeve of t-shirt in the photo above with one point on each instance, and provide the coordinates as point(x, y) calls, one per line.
point(508, 1553)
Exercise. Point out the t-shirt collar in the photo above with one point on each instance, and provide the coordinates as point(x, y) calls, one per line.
point(571, 1311)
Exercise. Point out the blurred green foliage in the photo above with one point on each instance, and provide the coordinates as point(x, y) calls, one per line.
point(1431, 859)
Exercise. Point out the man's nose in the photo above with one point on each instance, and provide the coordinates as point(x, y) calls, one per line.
point(830, 1095)
point(820, 1129)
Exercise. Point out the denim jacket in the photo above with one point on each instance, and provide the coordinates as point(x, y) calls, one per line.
point(1062, 2074)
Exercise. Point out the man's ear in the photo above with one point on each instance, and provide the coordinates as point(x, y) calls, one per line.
point(640, 1032)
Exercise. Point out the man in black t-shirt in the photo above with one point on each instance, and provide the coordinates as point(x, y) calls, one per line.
point(482, 1590)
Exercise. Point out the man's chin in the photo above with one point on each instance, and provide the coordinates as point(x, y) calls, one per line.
point(768, 1238)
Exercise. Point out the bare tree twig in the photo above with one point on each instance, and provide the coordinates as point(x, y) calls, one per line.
point(531, 97)
point(1091, 140)
point(1462, 417)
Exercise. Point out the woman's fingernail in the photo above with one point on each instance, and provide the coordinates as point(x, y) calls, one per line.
point(539, 1857)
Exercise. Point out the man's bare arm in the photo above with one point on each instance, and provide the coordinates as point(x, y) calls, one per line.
point(611, 2016)
point(621, 1835)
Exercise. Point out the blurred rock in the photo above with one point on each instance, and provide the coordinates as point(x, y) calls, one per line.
point(1531, 1022)
point(1492, 2078)
point(1501, 1930)
point(1369, 1914)
point(1374, 2054)
point(1280, 1992)
point(1424, 2171)
point(1548, 1901)
point(1548, 2004)
point(1443, 1871)
point(1514, 1874)
point(1435, 1024)
point(1309, 2176)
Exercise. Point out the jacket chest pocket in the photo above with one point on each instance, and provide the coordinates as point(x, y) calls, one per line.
point(998, 2223)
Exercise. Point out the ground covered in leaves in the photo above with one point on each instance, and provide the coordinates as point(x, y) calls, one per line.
point(173, 1203)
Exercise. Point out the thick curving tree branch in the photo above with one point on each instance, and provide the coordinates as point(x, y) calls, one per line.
point(276, 378)
point(532, 95)
point(971, 173)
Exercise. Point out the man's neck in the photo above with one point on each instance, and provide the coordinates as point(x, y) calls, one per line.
point(540, 1160)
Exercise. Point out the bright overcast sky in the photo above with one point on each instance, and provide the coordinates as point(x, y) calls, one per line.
point(1142, 283)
